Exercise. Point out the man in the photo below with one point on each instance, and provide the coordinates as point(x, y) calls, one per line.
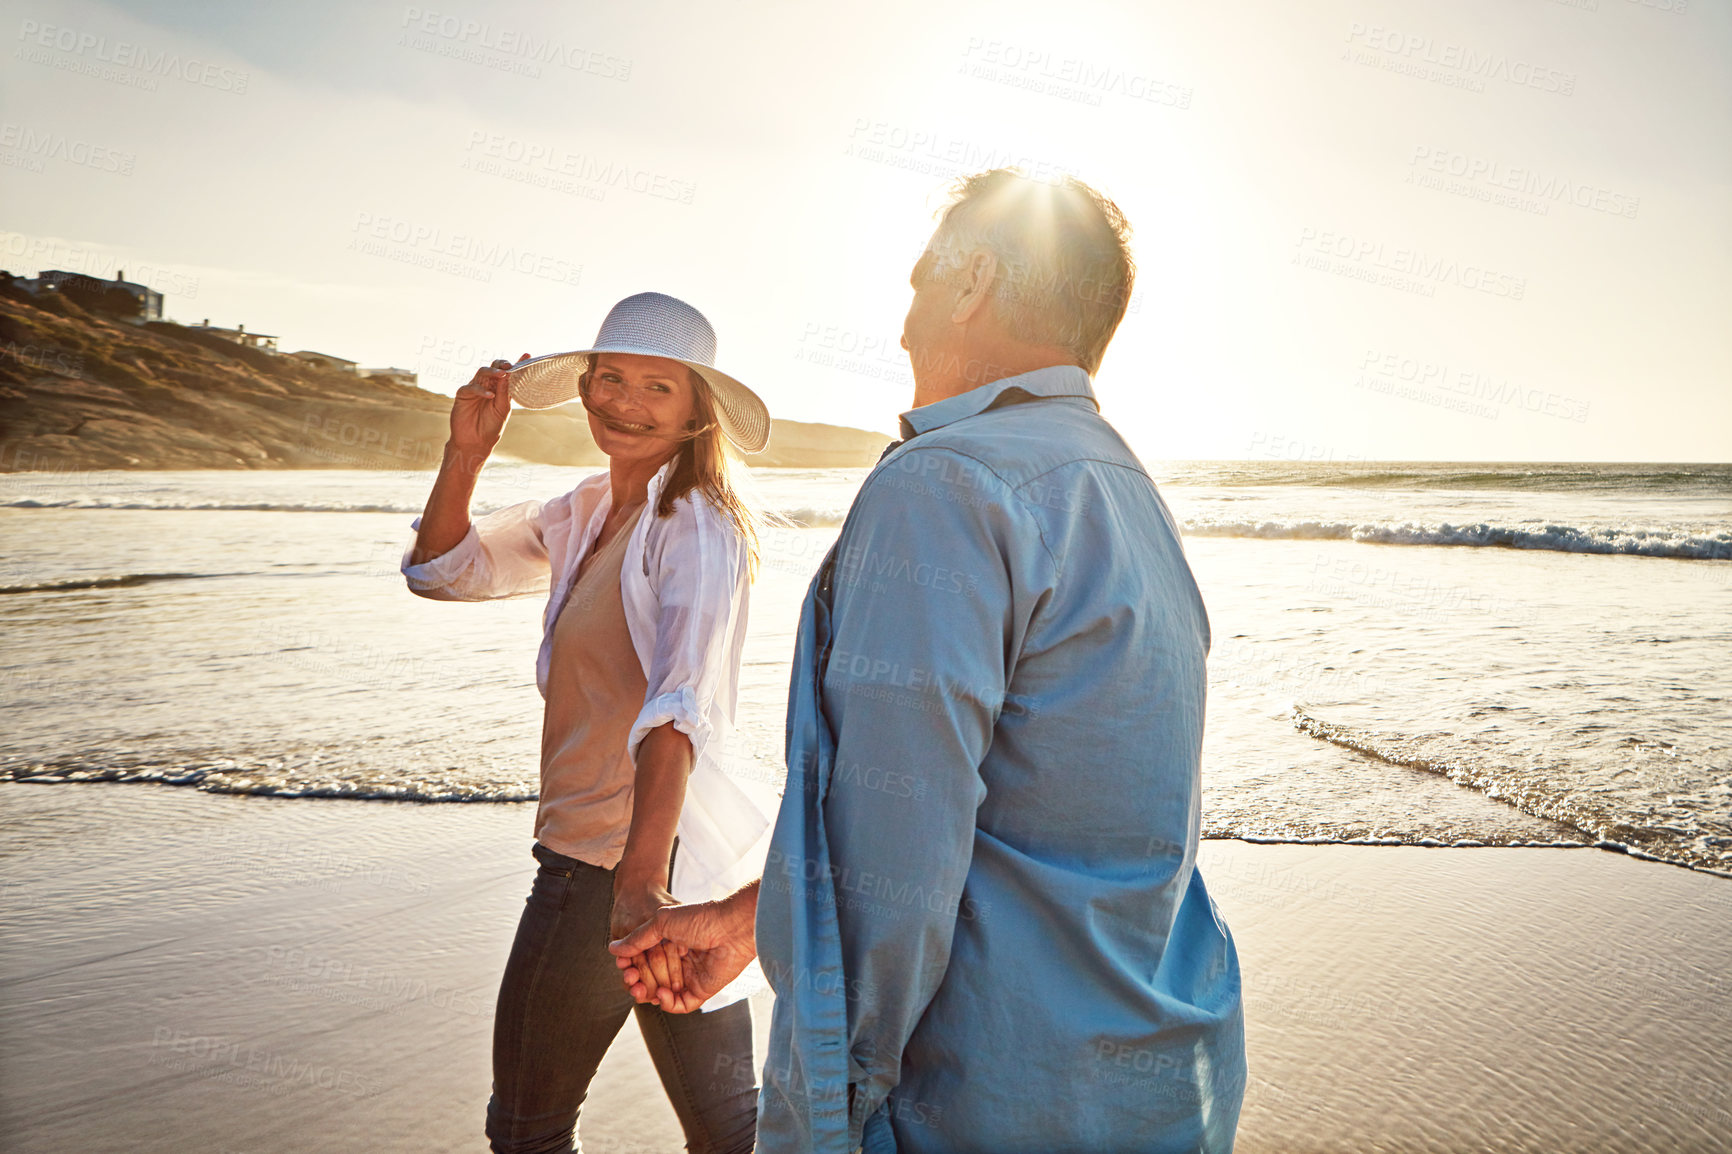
point(980, 912)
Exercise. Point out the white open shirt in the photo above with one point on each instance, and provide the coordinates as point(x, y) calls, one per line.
point(684, 585)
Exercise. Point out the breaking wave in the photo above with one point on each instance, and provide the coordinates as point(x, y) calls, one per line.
point(1634, 541)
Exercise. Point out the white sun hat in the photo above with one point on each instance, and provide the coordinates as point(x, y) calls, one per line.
point(650, 325)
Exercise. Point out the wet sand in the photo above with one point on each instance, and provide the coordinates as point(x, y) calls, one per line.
point(187, 972)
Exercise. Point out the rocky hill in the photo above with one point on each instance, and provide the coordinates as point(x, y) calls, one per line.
point(80, 390)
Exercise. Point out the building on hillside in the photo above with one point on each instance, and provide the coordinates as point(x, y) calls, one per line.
point(239, 336)
point(147, 300)
point(395, 376)
point(340, 365)
point(325, 361)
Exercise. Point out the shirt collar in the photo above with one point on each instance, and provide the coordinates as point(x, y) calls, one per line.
point(1052, 381)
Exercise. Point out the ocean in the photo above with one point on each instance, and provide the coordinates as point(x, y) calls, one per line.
point(1431, 654)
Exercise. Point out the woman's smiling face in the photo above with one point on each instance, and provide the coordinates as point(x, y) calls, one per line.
point(639, 406)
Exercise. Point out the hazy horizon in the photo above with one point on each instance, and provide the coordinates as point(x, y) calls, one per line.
point(1365, 232)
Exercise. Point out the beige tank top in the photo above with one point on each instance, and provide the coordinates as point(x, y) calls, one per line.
point(595, 690)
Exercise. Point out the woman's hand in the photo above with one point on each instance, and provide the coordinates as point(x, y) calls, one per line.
point(640, 881)
point(479, 412)
point(636, 902)
point(477, 419)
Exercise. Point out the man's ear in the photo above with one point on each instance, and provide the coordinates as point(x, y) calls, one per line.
point(975, 280)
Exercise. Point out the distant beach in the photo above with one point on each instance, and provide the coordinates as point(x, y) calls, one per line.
point(83, 390)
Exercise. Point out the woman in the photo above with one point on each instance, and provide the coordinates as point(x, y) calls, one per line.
point(648, 569)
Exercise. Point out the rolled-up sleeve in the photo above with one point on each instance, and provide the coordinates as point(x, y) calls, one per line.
point(504, 554)
point(924, 629)
point(700, 576)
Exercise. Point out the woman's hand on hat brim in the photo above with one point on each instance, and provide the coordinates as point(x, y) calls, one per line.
point(481, 408)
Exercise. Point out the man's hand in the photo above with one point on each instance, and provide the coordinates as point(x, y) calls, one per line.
point(683, 955)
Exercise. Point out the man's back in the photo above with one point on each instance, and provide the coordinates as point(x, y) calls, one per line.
point(1016, 642)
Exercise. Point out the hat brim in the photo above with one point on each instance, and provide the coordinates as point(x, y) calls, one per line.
point(740, 413)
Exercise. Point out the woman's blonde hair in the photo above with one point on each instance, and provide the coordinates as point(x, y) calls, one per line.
point(707, 463)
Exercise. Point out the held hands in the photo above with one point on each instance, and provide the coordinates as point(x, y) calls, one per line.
point(636, 902)
point(478, 414)
point(683, 955)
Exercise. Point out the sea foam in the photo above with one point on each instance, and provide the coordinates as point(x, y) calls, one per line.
point(1634, 541)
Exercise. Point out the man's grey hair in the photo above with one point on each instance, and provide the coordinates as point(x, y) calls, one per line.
point(1064, 263)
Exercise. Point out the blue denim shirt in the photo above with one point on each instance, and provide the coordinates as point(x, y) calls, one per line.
point(981, 913)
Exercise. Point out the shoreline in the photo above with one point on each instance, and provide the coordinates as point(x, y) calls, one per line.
point(1604, 846)
point(188, 970)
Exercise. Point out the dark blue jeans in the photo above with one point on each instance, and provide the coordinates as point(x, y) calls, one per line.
point(561, 1003)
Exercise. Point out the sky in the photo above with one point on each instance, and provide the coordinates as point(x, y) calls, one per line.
point(1364, 229)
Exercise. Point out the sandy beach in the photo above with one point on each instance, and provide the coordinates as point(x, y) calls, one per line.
point(190, 972)
point(1403, 313)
